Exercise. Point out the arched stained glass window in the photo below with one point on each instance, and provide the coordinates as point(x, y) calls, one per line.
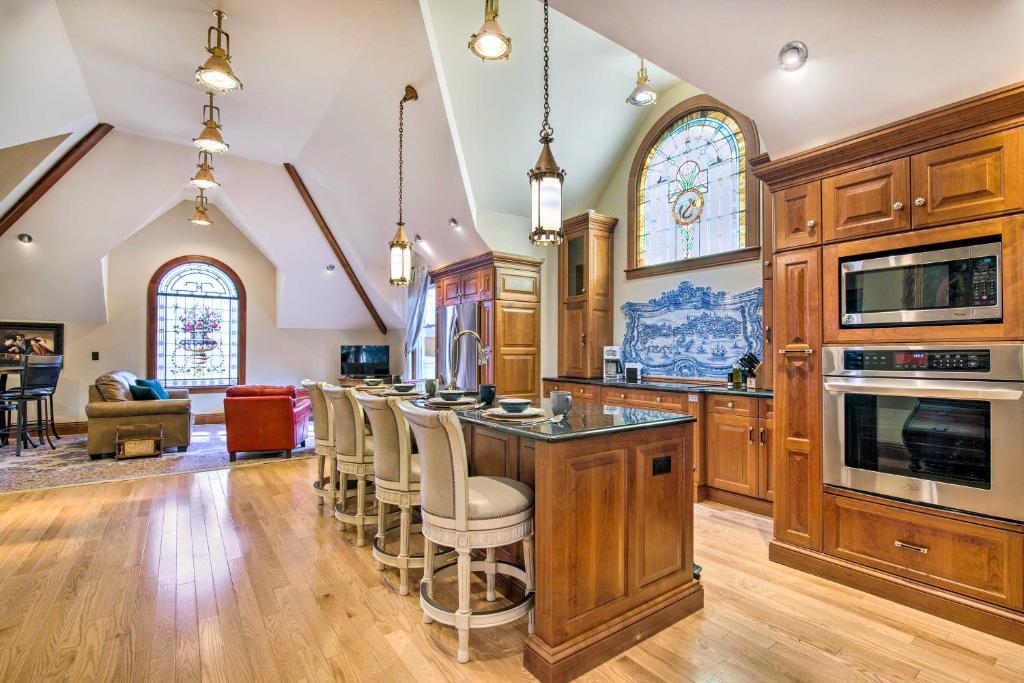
point(196, 327)
point(692, 194)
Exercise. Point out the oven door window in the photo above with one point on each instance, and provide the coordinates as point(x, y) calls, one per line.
point(942, 440)
point(910, 288)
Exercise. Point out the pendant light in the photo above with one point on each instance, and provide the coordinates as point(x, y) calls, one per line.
point(216, 73)
point(642, 94)
point(210, 139)
point(203, 179)
point(400, 248)
point(200, 217)
point(546, 177)
point(490, 42)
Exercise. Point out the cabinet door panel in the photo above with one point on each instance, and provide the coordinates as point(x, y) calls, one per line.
point(868, 201)
point(797, 448)
point(451, 288)
point(517, 348)
point(765, 460)
point(798, 216)
point(573, 335)
point(970, 179)
point(731, 453)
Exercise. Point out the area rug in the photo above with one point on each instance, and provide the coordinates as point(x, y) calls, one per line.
point(69, 463)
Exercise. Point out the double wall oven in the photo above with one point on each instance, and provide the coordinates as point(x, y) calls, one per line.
point(936, 424)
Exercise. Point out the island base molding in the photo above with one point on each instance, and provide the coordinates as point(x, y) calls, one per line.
point(996, 621)
point(736, 500)
point(581, 654)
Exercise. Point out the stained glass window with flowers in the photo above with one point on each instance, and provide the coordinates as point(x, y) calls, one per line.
point(197, 327)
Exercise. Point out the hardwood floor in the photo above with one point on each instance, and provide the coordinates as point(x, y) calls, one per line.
point(237, 575)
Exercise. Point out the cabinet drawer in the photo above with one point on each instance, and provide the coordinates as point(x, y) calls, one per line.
point(644, 398)
point(868, 201)
point(977, 561)
point(732, 405)
point(584, 393)
point(766, 408)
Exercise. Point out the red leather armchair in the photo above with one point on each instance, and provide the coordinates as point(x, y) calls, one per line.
point(265, 418)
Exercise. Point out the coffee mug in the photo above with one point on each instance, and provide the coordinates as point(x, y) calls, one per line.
point(487, 393)
point(430, 387)
point(561, 402)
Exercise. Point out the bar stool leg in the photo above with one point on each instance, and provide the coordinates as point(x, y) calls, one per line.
point(18, 432)
point(462, 615)
point(403, 551)
point(320, 475)
point(528, 563)
point(490, 568)
point(360, 512)
point(342, 497)
point(53, 419)
point(428, 573)
point(382, 514)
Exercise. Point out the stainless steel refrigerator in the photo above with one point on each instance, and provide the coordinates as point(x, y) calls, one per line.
point(453, 320)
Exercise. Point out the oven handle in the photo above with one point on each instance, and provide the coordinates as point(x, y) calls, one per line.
point(931, 388)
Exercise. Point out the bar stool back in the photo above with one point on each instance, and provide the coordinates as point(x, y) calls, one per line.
point(354, 449)
point(467, 513)
point(326, 485)
point(41, 376)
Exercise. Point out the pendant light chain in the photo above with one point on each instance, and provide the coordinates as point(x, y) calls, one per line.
point(401, 158)
point(547, 133)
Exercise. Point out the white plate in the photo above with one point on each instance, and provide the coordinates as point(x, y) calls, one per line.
point(464, 401)
point(404, 394)
point(505, 415)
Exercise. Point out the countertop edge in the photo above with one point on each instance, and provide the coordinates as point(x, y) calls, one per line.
point(683, 388)
point(675, 420)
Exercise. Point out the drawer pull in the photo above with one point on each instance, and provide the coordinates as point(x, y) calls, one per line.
point(750, 435)
point(786, 352)
point(659, 399)
point(729, 404)
point(911, 546)
point(760, 437)
point(622, 396)
point(920, 201)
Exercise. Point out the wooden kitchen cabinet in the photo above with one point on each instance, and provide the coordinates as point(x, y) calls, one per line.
point(585, 294)
point(798, 216)
point(868, 201)
point(968, 180)
point(732, 451)
point(797, 447)
point(765, 460)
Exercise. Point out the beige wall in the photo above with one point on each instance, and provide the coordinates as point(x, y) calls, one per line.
point(274, 355)
point(612, 202)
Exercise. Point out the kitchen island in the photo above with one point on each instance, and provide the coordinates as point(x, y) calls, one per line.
point(614, 527)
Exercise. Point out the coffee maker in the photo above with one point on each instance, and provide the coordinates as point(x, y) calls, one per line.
point(613, 364)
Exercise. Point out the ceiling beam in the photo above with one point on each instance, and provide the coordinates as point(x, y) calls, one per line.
point(50, 178)
point(333, 244)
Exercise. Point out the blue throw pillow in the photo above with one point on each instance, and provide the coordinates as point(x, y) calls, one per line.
point(143, 393)
point(155, 385)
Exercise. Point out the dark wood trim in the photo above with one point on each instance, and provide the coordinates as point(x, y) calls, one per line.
point(738, 500)
point(893, 139)
point(209, 418)
point(333, 244)
point(696, 263)
point(753, 198)
point(981, 616)
point(50, 178)
point(154, 283)
point(488, 258)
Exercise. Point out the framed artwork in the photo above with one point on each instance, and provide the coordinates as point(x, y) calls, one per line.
point(39, 339)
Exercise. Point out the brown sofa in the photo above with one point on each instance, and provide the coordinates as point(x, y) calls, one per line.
point(111, 405)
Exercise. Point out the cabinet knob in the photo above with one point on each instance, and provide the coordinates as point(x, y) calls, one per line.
point(729, 404)
point(811, 223)
point(659, 399)
point(579, 391)
point(622, 396)
point(767, 262)
point(920, 201)
point(897, 206)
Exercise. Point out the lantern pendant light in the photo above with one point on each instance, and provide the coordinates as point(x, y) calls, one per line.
point(490, 42)
point(642, 94)
point(210, 139)
point(200, 217)
point(546, 177)
point(400, 248)
point(203, 179)
point(216, 73)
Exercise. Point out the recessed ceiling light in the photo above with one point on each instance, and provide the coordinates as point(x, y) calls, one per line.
point(454, 223)
point(792, 55)
point(330, 267)
point(416, 238)
point(25, 238)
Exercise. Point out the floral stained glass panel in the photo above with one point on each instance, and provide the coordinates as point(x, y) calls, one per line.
point(691, 192)
point(197, 327)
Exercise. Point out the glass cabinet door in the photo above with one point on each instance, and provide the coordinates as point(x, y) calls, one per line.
point(576, 275)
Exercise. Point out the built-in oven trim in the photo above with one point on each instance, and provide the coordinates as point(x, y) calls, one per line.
point(1006, 362)
point(964, 314)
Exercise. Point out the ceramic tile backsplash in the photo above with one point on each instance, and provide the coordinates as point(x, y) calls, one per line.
point(693, 331)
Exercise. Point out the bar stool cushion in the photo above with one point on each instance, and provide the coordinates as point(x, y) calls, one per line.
point(493, 502)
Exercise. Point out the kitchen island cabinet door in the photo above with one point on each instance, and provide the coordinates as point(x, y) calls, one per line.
point(797, 404)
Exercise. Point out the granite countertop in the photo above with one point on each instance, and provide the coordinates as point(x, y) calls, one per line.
point(583, 421)
point(676, 387)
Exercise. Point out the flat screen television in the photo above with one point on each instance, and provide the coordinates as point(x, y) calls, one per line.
point(367, 359)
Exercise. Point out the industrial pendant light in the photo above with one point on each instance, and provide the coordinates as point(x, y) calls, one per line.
point(200, 217)
point(210, 139)
point(203, 179)
point(642, 94)
point(216, 73)
point(400, 248)
point(546, 177)
point(490, 42)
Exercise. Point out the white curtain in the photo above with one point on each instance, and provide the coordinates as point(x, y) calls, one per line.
point(414, 312)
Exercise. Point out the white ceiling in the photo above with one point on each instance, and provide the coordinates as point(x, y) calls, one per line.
point(871, 61)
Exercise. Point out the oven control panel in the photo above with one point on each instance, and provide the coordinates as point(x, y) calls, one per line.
point(918, 360)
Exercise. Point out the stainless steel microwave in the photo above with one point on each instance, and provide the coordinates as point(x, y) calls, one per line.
point(961, 284)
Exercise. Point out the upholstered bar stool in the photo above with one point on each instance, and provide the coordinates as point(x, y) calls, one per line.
point(354, 449)
point(396, 482)
point(326, 485)
point(467, 513)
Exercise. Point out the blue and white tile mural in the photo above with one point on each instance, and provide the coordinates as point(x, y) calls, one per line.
point(693, 331)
